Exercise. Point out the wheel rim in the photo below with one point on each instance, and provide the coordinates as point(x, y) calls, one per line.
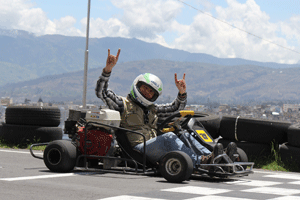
point(54, 156)
point(173, 166)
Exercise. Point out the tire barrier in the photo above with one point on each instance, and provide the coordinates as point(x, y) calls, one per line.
point(293, 135)
point(19, 134)
point(252, 150)
point(1, 133)
point(290, 154)
point(210, 122)
point(253, 130)
point(33, 116)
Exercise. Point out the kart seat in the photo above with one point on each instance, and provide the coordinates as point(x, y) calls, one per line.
point(131, 153)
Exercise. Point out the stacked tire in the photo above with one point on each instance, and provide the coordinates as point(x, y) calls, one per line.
point(31, 124)
point(290, 151)
point(254, 136)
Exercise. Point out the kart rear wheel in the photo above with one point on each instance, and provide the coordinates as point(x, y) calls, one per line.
point(242, 157)
point(176, 166)
point(60, 156)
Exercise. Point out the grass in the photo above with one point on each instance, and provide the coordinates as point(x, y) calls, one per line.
point(274, 161)
point(8, 145)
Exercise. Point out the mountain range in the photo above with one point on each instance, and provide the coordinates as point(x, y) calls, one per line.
point(205, 82)
point(51, 67)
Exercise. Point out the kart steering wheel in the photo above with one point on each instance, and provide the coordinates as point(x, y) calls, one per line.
point(188, 114)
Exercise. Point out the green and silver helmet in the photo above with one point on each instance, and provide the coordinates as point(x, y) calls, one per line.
point(146, 79)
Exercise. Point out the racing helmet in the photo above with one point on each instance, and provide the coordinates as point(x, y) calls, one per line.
point(151, 81)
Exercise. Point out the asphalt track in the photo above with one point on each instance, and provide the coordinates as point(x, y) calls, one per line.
point(24, 177)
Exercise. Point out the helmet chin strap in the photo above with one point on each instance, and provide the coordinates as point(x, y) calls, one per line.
point(136, 102)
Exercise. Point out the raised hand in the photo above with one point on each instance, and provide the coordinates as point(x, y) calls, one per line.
point(180, 84)
point(111, 61)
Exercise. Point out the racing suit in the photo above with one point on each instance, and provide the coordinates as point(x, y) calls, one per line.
point(138, 118)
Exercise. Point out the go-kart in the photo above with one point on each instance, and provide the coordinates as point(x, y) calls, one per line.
point(97, 142)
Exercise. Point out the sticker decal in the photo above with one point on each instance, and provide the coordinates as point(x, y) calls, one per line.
point(204, 136)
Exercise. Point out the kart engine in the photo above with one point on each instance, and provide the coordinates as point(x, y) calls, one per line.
point(99, 139)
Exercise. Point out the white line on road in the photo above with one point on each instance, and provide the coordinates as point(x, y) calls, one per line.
point(12, 151)
point(46, 176)
point(284, 176)
point(37, 177)
point(275, 191)
point(197, 190)
point(126, 197)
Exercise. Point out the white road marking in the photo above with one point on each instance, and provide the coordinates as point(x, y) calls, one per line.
point(211, 197)
point(263, 171)
point(255, 183)
point(197, 190)
point(287, 198)
point(37, 177)
point(271, 190)
point(284, 176)
point(126, 197)
point(12, 151)
point(294, 182)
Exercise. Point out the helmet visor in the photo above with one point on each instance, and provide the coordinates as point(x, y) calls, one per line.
point(155, 95)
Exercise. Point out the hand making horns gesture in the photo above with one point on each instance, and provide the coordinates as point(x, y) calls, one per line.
point(180, 84)
point(111, 61)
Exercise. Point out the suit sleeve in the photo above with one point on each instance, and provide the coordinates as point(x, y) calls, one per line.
point(112, 100)
point(165, 110)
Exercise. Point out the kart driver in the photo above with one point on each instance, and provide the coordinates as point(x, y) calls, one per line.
point(139, 113)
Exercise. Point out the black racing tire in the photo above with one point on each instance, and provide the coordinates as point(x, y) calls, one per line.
point(176, 166)
point(293, 135)
point(1, 133)
point(253, 130)
point(252, 150)
point(60, 156)
point(290, 155)
point(20, 134)
point(242, 155)
point(33, 115)
point(210, 122)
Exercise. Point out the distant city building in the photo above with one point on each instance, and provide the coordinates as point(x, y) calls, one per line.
point(290, 107)
point(5, 101)
point(40, 102)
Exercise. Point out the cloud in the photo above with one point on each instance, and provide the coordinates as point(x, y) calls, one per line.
point(147, 19)
point(154, 20)
point(113, 27)
point(21, 14)
point(291, 28)
point(11, 12)
point(208, 35)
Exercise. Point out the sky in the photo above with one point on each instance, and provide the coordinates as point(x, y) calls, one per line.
point(260, 30)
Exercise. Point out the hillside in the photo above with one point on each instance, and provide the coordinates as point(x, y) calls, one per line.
point(204, 81)
point(24, 56)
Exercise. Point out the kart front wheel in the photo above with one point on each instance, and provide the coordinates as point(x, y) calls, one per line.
point(176, 166)
point(60, 156)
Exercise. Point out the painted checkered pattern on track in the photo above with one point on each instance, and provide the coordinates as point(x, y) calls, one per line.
point(268, 186)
